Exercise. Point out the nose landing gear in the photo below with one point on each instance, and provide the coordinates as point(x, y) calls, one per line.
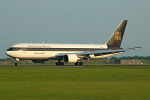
point(16, 62)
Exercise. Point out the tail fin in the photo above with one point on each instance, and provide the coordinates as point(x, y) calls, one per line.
point(116, 38)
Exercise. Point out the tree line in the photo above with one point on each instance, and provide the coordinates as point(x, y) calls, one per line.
point(130, 57)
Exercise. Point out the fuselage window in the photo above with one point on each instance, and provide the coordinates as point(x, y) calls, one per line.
point(24, 49)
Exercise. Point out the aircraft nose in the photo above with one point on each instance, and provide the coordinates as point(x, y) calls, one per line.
point(8, 53)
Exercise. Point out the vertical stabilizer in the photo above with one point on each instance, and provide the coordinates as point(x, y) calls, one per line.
point(116, 39)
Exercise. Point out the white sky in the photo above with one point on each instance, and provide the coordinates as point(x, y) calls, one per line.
point(74, 21)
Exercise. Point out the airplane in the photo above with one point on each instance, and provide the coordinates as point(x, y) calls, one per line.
point(69, 53)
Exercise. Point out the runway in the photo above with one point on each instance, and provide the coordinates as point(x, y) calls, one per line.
point(65, 65)
point(39, 66)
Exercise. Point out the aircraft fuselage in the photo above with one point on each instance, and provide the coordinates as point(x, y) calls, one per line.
point(32, 51)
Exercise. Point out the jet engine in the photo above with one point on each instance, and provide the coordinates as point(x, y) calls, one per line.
point(70, 58)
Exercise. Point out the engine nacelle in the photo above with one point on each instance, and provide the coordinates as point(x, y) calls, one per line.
point(38, 61)
point(70, 58)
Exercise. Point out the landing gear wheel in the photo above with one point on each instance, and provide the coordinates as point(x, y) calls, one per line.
point(81, 63)
point(59, 63)
point(62, 63)
point(16, 64)
point(78, 64)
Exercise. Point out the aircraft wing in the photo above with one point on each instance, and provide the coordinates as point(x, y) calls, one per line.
point(101, 52)
point(105, 52)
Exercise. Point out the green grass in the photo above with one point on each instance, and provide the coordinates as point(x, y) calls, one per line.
point(75, 83)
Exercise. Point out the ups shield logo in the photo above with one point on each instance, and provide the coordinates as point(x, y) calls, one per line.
point(118, 37)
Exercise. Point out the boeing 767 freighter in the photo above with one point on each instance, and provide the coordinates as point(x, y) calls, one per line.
point(69, 53)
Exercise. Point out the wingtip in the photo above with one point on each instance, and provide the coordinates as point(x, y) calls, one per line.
point(137, 47)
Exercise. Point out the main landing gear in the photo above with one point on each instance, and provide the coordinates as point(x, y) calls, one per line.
point(62, 63)
point(59, 63)
point(78, 64)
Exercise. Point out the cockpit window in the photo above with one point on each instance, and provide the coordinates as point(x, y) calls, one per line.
point(12, 49)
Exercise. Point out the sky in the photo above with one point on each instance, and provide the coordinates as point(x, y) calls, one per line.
point(74, 21)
